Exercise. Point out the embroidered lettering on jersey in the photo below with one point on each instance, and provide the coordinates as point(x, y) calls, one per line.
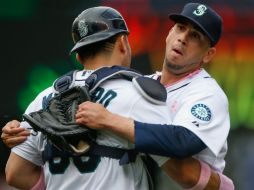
point(201, 111)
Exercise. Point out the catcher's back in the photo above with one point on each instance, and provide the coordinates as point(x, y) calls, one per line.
point(118, 96)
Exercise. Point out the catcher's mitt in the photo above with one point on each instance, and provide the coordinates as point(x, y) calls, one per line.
point(57, 121)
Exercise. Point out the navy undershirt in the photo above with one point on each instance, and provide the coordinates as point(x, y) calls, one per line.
point(166, 140)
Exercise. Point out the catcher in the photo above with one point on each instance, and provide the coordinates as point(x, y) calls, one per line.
point(97, 44)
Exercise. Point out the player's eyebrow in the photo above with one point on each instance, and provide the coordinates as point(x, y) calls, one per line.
point(195, 27)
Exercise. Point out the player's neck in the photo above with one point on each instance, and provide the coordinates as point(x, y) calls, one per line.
point(97, 62)
point(169, 78)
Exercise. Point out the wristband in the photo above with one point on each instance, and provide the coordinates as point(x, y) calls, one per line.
point(204, 177)
point(40, 185)
point(225, 183)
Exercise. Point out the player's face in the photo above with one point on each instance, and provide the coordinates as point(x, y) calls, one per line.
point(186, 48)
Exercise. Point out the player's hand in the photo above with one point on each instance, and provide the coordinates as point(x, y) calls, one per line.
point(13, 134)
point(92, 115)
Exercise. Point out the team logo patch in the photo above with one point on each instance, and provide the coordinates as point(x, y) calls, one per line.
point(82, 28)
point(202, 112)
point(200, 10)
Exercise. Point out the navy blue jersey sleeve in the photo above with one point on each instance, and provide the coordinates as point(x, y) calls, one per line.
point(166, 140)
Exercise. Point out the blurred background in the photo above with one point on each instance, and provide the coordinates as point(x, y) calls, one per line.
point(35, 40)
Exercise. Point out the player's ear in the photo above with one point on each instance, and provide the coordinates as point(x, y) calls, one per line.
point(123, 52)
point(209, 55)
point(78, 57)
point(123, 43)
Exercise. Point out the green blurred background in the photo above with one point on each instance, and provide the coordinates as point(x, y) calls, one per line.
point(35, 43)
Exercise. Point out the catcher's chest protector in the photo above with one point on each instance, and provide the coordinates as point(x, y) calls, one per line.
point(57, 121)
point(150, 89)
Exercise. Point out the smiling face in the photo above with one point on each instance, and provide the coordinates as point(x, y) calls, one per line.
point(186, 49)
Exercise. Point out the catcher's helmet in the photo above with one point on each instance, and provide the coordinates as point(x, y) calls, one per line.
point(96, 24)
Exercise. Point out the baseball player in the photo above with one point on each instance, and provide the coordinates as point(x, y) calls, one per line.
point(100, 36)
point(198, 106)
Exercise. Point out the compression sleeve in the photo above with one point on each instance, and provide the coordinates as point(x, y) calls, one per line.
point(166, 140)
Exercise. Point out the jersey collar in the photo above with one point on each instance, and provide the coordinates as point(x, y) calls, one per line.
point(185, 80)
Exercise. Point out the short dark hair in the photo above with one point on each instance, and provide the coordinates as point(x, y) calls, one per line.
point(105, 46)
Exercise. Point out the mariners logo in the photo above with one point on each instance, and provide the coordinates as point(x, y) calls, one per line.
point(82, 28)
point(200, 10)
point(201, 111)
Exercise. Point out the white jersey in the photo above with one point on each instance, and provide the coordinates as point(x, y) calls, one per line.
point(121, 97)
point(199, 104)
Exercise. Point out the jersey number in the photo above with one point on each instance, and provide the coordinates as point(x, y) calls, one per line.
point(58, 162)
point(103, 96)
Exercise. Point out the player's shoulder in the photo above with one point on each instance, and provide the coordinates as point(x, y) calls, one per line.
point(44, 93)
point(40, 100)
point(204, 83)
point(49, 90)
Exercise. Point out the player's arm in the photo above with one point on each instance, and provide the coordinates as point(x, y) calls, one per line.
point(13, 134)
point(171, 141)
point(21, 173)
point(18, 170)
point(193, 174)
point(97, 117)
